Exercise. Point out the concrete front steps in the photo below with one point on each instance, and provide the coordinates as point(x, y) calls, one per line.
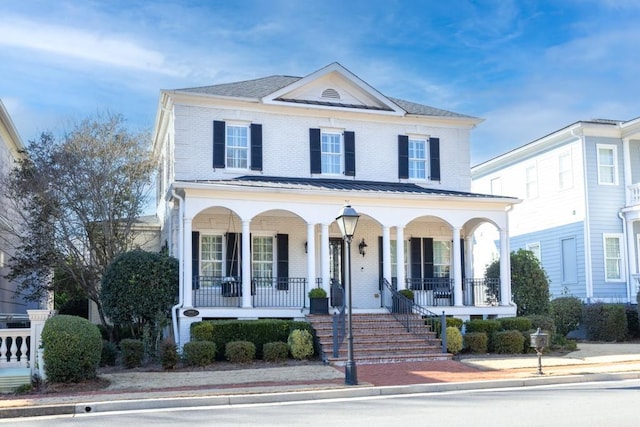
point(378, 338)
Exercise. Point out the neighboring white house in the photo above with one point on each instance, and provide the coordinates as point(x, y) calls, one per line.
point(580, 213)
point(11, 303)
point(252, 175)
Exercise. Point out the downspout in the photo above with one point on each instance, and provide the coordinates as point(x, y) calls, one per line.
point(175, 308)
point(626, 256)
point(588, 273)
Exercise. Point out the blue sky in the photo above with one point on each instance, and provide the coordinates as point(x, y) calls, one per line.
point(527, 68)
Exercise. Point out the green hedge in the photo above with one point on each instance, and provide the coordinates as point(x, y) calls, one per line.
point(508, 342)
point(199, 353)
point(258, 332)
point(72, 348)
point(567, 314)
point(475, 342)
point(132, 352)
point(240, 351)
point(277, 351)
point(605, 322)
point(521, 324)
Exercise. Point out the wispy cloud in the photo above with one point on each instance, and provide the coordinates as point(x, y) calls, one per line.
point(86, 45)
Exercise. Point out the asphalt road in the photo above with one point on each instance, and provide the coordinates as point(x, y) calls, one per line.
point(610, 403)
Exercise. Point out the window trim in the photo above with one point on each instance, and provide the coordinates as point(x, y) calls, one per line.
point(614, 150)
point(340, 155)
point(621, 263)
point(531, 183)
point(201, 260)
point(247, 148)
point(425, 160)
point(274, 254)
point(569, 170)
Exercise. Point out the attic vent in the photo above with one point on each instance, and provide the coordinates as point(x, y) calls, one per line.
point(330, 93)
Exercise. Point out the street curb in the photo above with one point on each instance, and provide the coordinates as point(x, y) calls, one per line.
point(298, 396)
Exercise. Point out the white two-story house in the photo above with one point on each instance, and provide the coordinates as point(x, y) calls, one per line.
point(253, 174)
point(581, 206)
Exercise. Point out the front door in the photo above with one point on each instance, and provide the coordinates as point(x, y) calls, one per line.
point(336, 269)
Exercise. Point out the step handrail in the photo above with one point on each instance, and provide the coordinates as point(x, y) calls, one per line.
point(405, 310)
point(339, 328)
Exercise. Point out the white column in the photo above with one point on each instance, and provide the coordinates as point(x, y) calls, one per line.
point(246, 264)
point(457, 268)
point(37, 318)
point(400, 257)
point(468, 268)
point(324, 258)
point(631, 261)
point(311, 256)
point(628, 178)
point(505, 269)
point(386, 253)
point(187, 276)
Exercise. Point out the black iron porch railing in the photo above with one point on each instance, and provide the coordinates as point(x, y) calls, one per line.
point(413, 316)
point(482, 291)
point(432, 291)
point(280, 292)
point(339, 323)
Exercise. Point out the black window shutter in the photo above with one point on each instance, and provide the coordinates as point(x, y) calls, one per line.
point(462, 258)
point(256, 147)
point(434, 156)
point(315, 151)
point(195, 259)
point(427, 245)
point(403, 156)
point(380, 263)
point(349, 153)
point(415, 249)
point(218, 144)
point(233, 254)
point(282, 273)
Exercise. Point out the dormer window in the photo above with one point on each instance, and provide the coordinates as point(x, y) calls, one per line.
point(330, 93)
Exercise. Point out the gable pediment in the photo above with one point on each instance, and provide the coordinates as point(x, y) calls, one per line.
point(333, 87)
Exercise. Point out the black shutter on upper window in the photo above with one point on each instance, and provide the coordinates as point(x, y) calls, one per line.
point(282, 273)
point(315, 151)
point(349, 153)
point(195, 259)
point(434, 156)
point(427, 253)
point(403, 156)
point(256, 147)
point(218, 144)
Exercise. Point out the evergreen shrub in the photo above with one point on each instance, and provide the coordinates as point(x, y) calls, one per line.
point(240, 351)
point(605, 322)
point(132, 352)
point(199, 353)
point(300, 344)
point(475, 342)
point(508, 342)
point(277, 351)
point(521, 324)
point(454, 340)
point(566, 313)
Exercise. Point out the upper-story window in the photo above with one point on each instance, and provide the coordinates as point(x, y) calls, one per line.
point(237, 145)
point(418, 158)
point(531, 183)
point(418, 165)
point(565, 171)
point(607, 158)
point(331, 153)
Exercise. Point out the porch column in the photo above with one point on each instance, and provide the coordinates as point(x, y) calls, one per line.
point(457, 269)
point(187, 262)
point(311, 256)
point(631, 261)
point(386, 253)
point(400, 257)
point(505, 269)
point(468, 270)
point(324, 258)
point(37, 318)
point(246, 265)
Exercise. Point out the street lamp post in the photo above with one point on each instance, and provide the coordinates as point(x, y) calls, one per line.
point(347, 221)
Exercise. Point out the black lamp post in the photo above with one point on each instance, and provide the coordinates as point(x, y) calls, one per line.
point(347, 221)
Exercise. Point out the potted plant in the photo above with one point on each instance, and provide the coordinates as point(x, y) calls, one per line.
point(318, 301)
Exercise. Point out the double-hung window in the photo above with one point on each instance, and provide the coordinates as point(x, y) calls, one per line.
point(613, 258)
point(262, 264)
point(331, 149)
point(441, 258)
point(565, 171)
point(418, 158)
point(531, 182)
point(607, 164)
point(237, 146)
point(211, 257)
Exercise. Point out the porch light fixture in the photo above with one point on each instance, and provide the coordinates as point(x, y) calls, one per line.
point(306, 249)
point(362, 247)
point(347, 221)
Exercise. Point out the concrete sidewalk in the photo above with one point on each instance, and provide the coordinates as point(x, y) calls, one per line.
point(143, 390)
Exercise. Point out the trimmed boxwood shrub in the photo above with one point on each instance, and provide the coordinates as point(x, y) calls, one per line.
point(199, 353)
point(109, 353)
point(300, 344)
point(508, 342)
point(475, 342)
point(275, 351)
point(259, 332)
point(454, 340)
point(72, 348)
point(169, 354)
point(566, 313)
point(521, 324)
point(202, 331)
point(132, 352)
point(488, 326)
point(633, 322)
point(240, 351)
point(605, 322)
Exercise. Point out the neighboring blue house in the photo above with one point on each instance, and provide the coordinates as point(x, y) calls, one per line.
point(580, 213)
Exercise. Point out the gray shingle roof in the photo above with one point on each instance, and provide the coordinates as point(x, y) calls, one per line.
point(344, 185)
point(259, 88)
